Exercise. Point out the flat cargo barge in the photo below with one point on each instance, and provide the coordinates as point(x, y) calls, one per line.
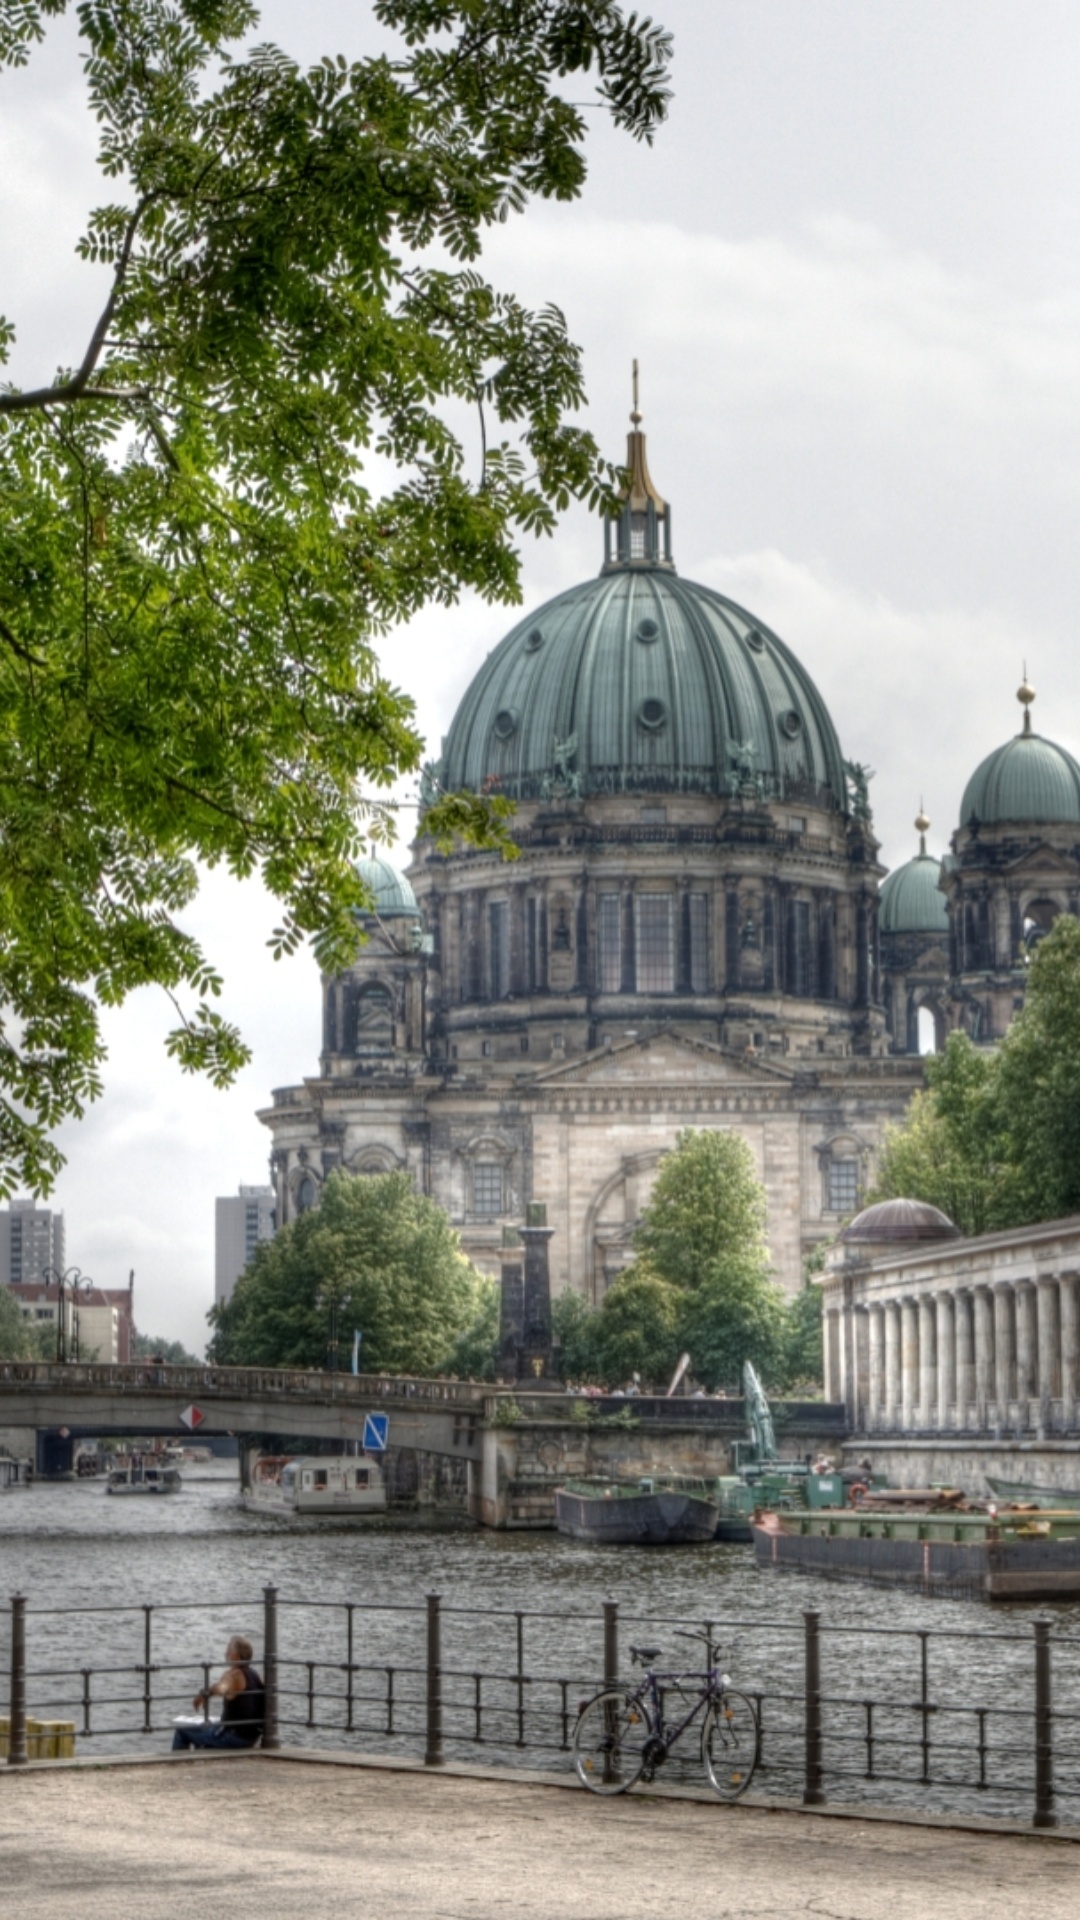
point(1007, 1556)
point(646, 1513)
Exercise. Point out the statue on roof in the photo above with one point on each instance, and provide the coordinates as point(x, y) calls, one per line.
point(858, 782)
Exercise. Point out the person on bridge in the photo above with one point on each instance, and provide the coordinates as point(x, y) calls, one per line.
point(244, 1711)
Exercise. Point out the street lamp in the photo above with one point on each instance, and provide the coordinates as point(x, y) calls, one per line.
point(67, 1286)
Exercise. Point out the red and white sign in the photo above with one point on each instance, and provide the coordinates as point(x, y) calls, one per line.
point(192, 1417)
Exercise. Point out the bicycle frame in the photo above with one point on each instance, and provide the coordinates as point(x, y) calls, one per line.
point(651, 1692)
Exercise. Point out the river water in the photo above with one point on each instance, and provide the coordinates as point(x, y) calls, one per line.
point(90, 1565)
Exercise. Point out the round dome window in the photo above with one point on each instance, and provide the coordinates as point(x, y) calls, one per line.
point(506, 724)
point(534, 640)
point(647, 632)
point(791, 723)
point(652, 715)
point(756, 640)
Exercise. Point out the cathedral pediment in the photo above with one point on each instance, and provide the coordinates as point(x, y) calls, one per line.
point(664, 1058)
point(1047, 861)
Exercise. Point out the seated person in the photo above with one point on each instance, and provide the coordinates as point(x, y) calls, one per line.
point(244, 1711)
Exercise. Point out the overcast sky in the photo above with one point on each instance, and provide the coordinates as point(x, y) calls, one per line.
point(850, 269)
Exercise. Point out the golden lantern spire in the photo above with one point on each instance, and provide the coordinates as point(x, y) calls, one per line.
point(1025, 693)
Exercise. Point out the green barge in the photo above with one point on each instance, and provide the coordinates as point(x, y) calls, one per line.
point(1004, 1556)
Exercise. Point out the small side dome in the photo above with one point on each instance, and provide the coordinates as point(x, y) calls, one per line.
point(899, 1223)
point(392, 896)
point(910, 899)
point(1028, 779)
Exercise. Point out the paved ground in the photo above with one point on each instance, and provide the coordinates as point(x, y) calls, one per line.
point(294, 1841)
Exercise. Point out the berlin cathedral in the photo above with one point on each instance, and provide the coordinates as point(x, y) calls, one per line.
point(698, 931)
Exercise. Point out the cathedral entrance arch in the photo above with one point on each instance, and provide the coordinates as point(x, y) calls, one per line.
point(613, 1216)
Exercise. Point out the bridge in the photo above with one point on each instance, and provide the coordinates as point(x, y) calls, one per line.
point(517, 1444)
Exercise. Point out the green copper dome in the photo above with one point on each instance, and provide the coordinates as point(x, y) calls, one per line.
point(639, 682)
point(391, 894)
point(910, 901)
point(1028, 779)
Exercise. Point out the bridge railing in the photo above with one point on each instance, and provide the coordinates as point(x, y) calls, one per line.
point(202, 1382)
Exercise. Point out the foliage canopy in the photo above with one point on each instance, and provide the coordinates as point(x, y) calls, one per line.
point(252, 469)
point(995, 1140)
point(374, 1256)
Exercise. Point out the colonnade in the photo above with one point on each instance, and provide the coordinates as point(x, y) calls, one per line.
point(983, 1357)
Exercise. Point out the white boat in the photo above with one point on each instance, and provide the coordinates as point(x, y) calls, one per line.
point(331, 1486)
point(143, 1479)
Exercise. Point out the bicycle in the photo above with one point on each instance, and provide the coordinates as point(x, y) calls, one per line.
point(623, 1735)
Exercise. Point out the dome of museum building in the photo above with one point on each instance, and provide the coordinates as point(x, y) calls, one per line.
point(640, 682)
point(899, 1222)
point(1029, 779)
point(392, 897)
point(911, 901)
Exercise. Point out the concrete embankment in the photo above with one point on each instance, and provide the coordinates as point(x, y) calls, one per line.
point(306, 1840)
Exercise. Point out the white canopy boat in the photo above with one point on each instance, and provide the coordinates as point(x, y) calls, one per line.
point(326, 1486)
point(138, 1478)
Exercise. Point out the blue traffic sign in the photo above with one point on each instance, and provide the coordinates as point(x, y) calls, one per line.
point(376, 1432)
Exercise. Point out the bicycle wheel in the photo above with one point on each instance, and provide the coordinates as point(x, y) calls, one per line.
point(609, 1742)
point(729, 1744)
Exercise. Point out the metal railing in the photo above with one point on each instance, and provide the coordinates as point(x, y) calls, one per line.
point(927, 1718)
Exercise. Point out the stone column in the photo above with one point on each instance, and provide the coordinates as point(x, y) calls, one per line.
point(860, 1396)
point(1004, 1349)
point(1025, 1348)
point(927, 1362)
point(877, 1383)
point(1049, 1342)
point(909, 1363)
point(832, 1353)
point(1069, 1304)
point(984, 1353)
point(946, 1358)
point(966, 1396)
point(892, 1363)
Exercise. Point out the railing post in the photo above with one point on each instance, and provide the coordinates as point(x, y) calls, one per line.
point(17, 1755)
point(271, 1735)
point(611, 1643)
point(433, 1749)
point(813, 1792)
point(1044, 1733)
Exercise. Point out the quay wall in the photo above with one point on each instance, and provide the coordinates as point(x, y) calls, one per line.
point(965, 1462)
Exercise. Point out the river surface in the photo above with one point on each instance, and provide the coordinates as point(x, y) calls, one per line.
point(91, 1565)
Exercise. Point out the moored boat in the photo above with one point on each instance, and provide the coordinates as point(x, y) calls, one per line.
point(329, 1486)
point(1022, 1493)
point(645, 1512)
point(941, 1549)
point(139, 1478)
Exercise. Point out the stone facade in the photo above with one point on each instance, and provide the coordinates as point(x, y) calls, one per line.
point(974, 1338)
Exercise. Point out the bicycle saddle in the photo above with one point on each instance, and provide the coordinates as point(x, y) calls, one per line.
point(645, 1654)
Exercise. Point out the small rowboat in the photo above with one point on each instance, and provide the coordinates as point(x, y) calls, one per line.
point(1022, 1494)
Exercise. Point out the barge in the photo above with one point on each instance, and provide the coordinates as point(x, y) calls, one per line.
point(1022, 1493)
point(649, 1512)
point(937, 1550)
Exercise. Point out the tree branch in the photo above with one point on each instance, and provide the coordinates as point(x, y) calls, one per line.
point(78, 387)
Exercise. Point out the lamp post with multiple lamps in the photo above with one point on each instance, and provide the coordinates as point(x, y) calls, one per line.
point(67, 1285)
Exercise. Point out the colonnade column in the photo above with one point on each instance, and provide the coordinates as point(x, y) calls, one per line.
point(984, 1352)
point(946, 1358)
point(892, 1363)
point(1004, 1349)
point(966, 1396)
point(877, 1365)
point(1025, 1347)
point(832, 1353)
point(859, 1394)
point(909, 1362)
point(927, 1362)
point(1069, 1304)
point(1049, 1339)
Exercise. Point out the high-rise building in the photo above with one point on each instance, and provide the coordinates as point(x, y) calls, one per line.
point(31, 1239)
point(240, 1222)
